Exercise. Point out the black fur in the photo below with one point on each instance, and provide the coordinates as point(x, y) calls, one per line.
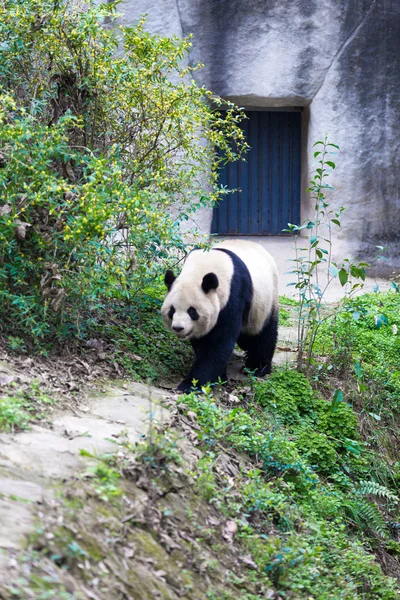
point(169, 279)
point(260, 348)
point(210, 282)
point(193, 314)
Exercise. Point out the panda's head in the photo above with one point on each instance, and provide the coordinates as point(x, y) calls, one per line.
point(192, 306)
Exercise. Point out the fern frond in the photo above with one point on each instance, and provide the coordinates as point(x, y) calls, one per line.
point(366, 513)
point(372, 488)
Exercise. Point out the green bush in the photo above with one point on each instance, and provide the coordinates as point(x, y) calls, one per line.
point(286, 393)
point(95, 146)
point(323, 430)
point(362, 343)
point(317, 449)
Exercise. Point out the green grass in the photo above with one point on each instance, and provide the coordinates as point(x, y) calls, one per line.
point(20, 407)
point(139, 341)
point(287, 301)
point(362, 344)
point(284, 317)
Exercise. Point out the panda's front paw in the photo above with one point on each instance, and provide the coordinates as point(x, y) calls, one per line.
point(185, 387)
point(263, 371)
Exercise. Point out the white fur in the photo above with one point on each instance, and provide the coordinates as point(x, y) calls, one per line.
point(186, 291)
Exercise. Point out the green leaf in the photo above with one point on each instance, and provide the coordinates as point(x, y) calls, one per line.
point(395, 286)
point(358, 370)
point(353, 447)
point(336, 400)
point(330, 163)
point(84, 452)
point(381, 320)
point(333, 270)
point(374, 416)
point(343, 276)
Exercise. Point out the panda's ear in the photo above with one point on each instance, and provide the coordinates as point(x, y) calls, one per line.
point(210, 282)
point(169, 279)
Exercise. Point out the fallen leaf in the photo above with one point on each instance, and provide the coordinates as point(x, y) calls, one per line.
point(20, 230)
point(160, 573)
point(5, 210)
point(185, 536)
point(94, 343)
point(229, 531)
point(169, 542)
point(129, 552)
point(285, 349)
point(233, 399)
point(6, 379)
point(102, 567)
point(248, 561)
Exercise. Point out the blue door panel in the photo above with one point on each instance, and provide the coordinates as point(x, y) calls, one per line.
point(267, 182)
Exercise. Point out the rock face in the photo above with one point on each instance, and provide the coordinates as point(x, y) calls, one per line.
point(339, 60)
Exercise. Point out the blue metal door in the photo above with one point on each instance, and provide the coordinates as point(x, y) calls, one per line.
point(267, 181)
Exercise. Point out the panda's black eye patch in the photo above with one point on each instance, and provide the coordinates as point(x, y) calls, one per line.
point(193, 314)
point(171, 312)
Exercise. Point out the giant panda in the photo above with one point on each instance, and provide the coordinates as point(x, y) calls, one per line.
point(223, 296)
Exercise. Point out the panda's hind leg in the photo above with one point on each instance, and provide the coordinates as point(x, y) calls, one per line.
point(260, 348)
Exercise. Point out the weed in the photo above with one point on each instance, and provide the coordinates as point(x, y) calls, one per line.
point(316, 251)
point(24, 406)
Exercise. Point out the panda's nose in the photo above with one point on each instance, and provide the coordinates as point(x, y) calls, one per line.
point(177, 329)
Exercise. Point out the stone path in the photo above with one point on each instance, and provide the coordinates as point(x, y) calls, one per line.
point(32, 462)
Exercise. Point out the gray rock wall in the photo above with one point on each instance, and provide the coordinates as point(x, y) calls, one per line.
point(340, 60)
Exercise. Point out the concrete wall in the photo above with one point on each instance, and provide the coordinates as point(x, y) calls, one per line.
point(340, 60)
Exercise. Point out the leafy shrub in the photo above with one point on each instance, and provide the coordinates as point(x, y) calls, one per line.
point(319, 452)
point(287, 393)
point(137, 338)
point(361, 347)
point(323, 430)
point(95, 146)
point(284, 317)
